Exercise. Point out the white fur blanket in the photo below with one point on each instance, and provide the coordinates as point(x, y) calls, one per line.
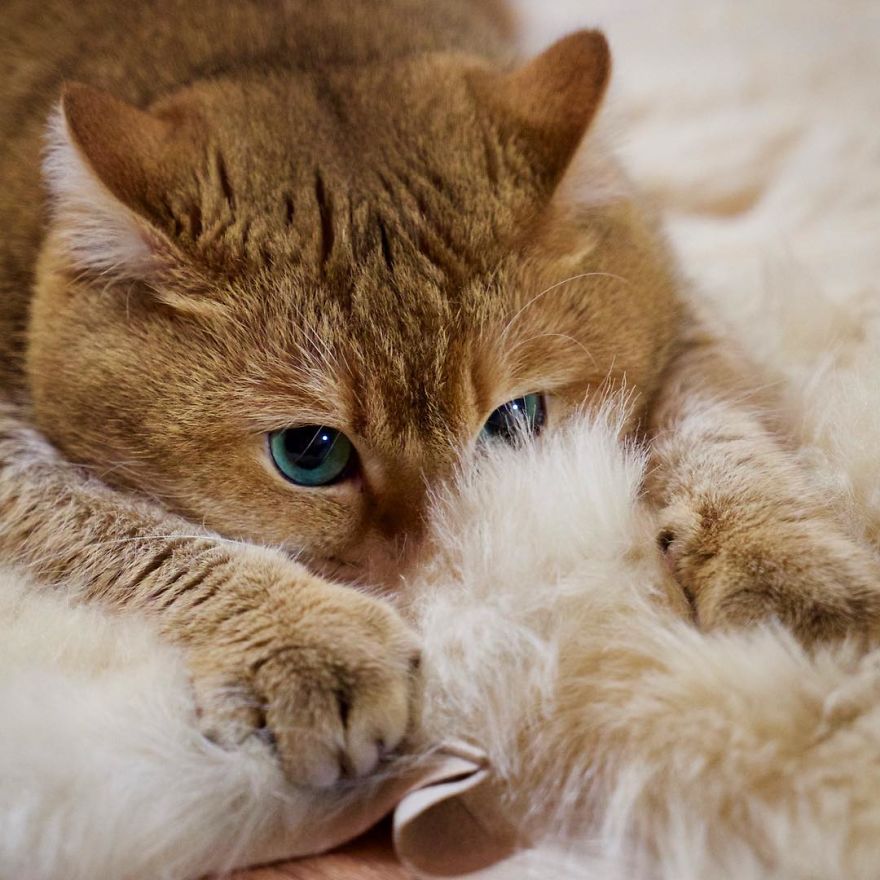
point(684, 756)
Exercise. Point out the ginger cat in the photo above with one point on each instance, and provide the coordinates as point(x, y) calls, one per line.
point(285, 264)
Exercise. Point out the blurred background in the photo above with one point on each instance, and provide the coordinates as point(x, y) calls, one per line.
point(754, 125)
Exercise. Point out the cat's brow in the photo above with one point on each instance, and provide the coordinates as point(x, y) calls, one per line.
point(563, 336)
point(555, 286)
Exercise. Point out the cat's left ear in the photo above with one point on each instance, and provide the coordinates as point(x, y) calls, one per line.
point(107, 166)
point(547, 106)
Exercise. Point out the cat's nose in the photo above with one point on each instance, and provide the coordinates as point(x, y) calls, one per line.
point(399, 512)
point(400, 509)
point(401, 518)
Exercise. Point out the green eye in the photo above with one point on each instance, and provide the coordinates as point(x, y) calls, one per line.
point(312, 455)
point(520, 417)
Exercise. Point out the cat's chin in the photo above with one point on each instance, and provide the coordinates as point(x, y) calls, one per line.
point(334, 568)
point(375, 576)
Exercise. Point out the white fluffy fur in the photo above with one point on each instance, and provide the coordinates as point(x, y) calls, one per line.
point(713, 757)
point(103, 772)
point(726, 756)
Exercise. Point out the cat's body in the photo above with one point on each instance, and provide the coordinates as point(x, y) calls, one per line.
point(354, 215)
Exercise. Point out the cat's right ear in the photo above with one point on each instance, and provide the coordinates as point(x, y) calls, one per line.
point(548, 105)
point(105, 165)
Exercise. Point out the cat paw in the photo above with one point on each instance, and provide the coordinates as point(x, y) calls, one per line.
point(322, 674)
point(802, 572)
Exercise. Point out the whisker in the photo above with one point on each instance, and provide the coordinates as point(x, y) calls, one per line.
point(558, 284)
point(564, 336)
point(177, 536)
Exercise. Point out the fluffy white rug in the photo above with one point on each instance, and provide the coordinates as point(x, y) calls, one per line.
point(753, 124)
point(625, 743)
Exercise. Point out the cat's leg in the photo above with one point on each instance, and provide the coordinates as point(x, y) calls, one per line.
point(745, 532)
point(322, 671)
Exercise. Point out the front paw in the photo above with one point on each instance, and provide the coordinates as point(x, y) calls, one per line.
point(323, 673)
point(739, 567)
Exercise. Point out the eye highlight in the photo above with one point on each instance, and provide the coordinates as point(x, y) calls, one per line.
point(518, 418)
point(312, 455)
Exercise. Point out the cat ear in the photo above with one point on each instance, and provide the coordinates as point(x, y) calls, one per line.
point(106, 165)
point(550, 102)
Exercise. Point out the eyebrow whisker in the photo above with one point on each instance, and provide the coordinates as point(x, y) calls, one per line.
point(552, 287)
point(564, 336)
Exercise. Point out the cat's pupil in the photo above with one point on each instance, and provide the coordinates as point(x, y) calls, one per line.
point(515, 419)
point(308, 447)
point(311, 455)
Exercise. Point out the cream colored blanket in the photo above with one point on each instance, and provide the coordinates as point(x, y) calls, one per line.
point(572, 716)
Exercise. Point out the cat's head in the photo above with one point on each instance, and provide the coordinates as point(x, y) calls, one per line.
point(286, 303)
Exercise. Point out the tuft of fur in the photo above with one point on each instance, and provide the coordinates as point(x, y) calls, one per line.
point(625, 740)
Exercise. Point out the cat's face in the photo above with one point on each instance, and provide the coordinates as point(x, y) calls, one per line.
point(287, 306)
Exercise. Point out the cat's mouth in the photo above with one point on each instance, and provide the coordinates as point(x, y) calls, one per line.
point(335, 568)
point(377, 575)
